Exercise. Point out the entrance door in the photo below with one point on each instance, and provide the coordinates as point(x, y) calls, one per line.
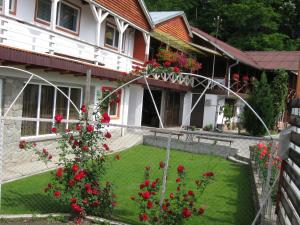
point(172, 109)
point(198, 113)
point(149, 116)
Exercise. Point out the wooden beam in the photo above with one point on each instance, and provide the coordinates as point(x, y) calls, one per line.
point(298, 83)
point(30, 67)
point(11, 63)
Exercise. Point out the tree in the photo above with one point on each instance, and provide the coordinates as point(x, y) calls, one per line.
point(261, 100)
point(280, 92)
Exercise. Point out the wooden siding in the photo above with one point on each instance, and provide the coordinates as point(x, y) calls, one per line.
point(130, 10)
point(176, 27)
point(139, 49)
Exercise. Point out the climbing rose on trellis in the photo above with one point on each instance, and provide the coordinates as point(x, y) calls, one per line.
point(77, 181)
point(178, 207)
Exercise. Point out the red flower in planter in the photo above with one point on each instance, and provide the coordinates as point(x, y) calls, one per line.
point(107, 135)
point(236, 76)
point(208, 174)
point(57, 194)
point(105, 118)
point(149, 204)
point(59, 172)
point(78, 127)
point(53, 129)
point(144, 217)
point(90, 128)
point(176, 69)
point(58, 118)
point(167, 64)
point(186, 213)
point(246, 78)
point(83, 108)
point(180, 169)
point(146, 195)
point(75, 168)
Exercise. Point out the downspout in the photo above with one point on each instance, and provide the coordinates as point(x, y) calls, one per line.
point(229, 74)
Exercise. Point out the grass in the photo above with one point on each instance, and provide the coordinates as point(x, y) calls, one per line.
point(228, 199)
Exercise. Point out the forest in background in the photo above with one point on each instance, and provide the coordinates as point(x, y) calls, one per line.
point(245, 24)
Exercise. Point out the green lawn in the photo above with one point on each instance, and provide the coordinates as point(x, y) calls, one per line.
point(228, 199)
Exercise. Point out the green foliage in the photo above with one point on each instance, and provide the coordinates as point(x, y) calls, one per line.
point(261, 100)
point(280, 91)
point(249, 25)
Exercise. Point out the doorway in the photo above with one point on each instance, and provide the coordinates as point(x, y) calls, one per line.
point(149, 116)
point(198, 112)
point(172, 109)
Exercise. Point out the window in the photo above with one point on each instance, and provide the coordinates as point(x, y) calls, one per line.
point(44, 102)
point(68, 16)
point(111, 36)
point(43, 10)
point(12, 6)
point(113, 103)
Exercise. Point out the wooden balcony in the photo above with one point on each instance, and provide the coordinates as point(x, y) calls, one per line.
point(33, 38)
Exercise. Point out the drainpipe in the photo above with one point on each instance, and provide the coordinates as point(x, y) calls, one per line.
point(229, 74)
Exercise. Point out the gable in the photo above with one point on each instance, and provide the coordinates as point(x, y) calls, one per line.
point(175, 27)
point(130, 10)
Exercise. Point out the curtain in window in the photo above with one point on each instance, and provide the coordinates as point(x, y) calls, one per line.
point(68, 17)
point(75, 97)
point(44, 10)
point(30, 105)
point(62, 104)
point(46, 110)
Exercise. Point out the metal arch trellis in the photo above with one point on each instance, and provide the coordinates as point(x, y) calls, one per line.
point(145, 76)
point(4, 117)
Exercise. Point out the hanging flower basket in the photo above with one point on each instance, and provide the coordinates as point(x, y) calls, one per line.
point(236, 76)
point(246, 78)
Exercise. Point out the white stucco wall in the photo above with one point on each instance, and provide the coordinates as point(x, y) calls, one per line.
point(187, 106)
point(210, 110)
point(135, 105)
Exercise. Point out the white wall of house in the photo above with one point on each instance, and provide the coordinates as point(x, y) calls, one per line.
point(135, 105)
point(187, 106)
point(210, 109)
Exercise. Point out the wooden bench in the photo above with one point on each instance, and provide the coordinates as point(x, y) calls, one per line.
point(216, 139)
point(173, 133)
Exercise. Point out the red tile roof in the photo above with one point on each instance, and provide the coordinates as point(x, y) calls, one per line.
point(271, 60)
point(229, 50)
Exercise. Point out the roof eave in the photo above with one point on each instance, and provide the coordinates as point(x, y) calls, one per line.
point(146, 12)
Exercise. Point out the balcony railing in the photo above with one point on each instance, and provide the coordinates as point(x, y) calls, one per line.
point(30, 37)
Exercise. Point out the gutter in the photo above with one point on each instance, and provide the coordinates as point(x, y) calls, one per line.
point(229, 74)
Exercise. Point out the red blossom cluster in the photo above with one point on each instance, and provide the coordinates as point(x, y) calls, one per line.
point(264, 153)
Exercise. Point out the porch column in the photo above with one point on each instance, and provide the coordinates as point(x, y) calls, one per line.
point(147, 41)
point(99, 16)
point(53, 14)
point(298, 83)
point(6, 7)
point(122, 26)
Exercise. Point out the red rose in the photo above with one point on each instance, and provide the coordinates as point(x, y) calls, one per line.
point(95, 203)
point(57, 194)
point(59, 172)
point(186, 213)
point(208, 174)
point(176, 69)
point(45, 151)
point(142, 186)
point(201, 211)
point(95, 192)
point(178, 188)
point(89, 191)
point(76, 208)
point(161, 164)
point(164, 207)
point(75, 168)
point(83, 108)
point(73, 200)
point(107, 135)
point(105, 146)
point(58, 118)
point(87, 186)
point(85, 201)
point(78, 126)
point(180, 169)
point(146, 194)
point(146, 182)
point(53, 129)
point(22, 144)
point(149, 205)
point(79, 176)
point(85, 148)
point(90, 128)
point(144, 217)
point(190, 193)
point(167, 64)
point(153, 184)
point(105, 118)
point(178, 180)
point(71, 183)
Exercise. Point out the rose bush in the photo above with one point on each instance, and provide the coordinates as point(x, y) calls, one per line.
point(81, 165)
point(178, 207)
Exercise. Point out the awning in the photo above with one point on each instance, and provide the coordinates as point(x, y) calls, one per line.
point(176, 43)
point(208, 50)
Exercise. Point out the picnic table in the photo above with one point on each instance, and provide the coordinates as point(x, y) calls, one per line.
point(173, 133)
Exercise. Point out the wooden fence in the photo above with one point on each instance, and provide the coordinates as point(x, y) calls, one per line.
point(288, 207)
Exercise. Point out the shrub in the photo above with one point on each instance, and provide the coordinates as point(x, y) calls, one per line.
point(261, 100)
point(181, 204)
point(81, 166)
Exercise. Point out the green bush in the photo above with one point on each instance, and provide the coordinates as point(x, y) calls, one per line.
point(261, 100)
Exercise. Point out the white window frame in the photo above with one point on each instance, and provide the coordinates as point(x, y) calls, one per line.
point(36, 13)
point(58, 17)
point(12, 3)
point(37, 119)
point(114, 37)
